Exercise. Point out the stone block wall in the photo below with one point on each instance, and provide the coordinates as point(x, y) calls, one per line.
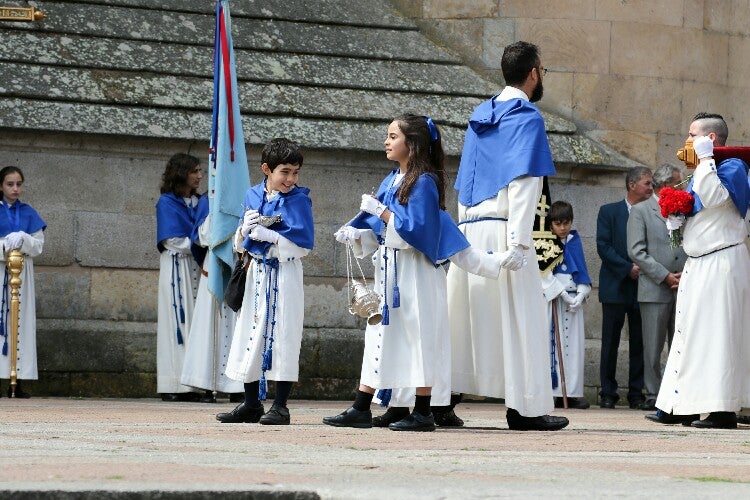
point(630, 74)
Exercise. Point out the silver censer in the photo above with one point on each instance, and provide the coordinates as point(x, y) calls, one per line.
point(365, 302)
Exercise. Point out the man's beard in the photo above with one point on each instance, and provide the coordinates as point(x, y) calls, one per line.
point(537, 93)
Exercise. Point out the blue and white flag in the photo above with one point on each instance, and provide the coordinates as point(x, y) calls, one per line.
point(228, 177)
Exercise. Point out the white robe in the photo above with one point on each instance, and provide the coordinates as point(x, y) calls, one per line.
point(413, 350)
point(26, 358)
point(708, 368)
point(498, 328)
point(210, 338)
point(572, 334)
point(245, 355)
point(169, 354)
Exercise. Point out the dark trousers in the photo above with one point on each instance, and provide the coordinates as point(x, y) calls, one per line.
point(613, 319)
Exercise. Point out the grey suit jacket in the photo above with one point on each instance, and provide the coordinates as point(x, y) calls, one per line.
point(648, 246)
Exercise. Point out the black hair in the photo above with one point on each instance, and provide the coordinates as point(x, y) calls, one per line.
point(518, 60)
point(10, 169)
point(425, 156)
point(713, 122)
point(281, 151)
point(174, 178)
point(560, 211)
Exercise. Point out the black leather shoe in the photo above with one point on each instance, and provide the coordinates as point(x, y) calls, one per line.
point(170, 397)
point(717, 420)
point(393, 414)
point(242, 414)
point(207, 397)
point(351, 418)
point(237, 397)
point(277, 415)
point(448, 419)
point(635, 404)
point(517, 422)
point(607, 402)
point(661, 417)
point(20, 393)
point(573, 403)
point(743, 419)
point(416, 422)
point(648, 405)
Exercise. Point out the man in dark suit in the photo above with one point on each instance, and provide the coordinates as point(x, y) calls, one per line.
point(661, 266)
point(618, 287)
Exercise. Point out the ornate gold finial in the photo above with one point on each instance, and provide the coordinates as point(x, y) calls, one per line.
point(14, 263)
point(29, 14)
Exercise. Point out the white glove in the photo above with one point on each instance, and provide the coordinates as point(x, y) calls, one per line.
point(565, 296)
point(512, 259)
point(575, 304)
point(14, 240)
point(249, 221)
point(261, 233)
point(675, 222)
point(346, 234)
point(703, 146)
point(371, 205)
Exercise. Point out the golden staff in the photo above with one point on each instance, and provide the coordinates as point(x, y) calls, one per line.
point(15, 265)
point(21, 14)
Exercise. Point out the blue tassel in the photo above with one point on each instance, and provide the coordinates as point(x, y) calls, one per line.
point(179, 335)
point(267, 359)
point(385, 320)
point(396, 297)
point(262, 389)
point(5, 347)
point(384, 395)
point(182, 314)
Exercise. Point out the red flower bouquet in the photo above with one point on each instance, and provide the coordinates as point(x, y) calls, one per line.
point(675, 202)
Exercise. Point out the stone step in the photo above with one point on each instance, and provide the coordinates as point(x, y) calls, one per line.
point(127, 23)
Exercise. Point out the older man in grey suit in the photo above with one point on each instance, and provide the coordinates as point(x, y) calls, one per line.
point(661, 267)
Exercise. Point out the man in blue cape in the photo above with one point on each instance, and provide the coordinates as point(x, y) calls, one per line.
point(498, 328)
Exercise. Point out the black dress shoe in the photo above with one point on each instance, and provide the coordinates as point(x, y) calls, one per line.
point(608, 402)
point(170, 397)
point(242, 414)
point(573, 403)
point(448, 419)
point(237, 397)
point(393, 414)
point(661, 417)
point(277, 415)
point(20, 393)
point(743, 419)
point(207, 397)
point(517, 422)
point(416, 422)
point(635, 404)
point(351, 418)
point(717, 420)
point(648, 405)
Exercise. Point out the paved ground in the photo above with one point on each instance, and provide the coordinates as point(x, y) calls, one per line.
point(87, 448)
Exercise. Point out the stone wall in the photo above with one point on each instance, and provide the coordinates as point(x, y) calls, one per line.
point(631, 74)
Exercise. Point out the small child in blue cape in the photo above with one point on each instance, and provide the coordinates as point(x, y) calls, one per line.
point(268, 332)
point(565, 289)
point(22, 229)
point(407, 228)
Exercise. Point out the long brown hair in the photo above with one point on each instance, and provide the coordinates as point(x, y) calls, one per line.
point(426, 155)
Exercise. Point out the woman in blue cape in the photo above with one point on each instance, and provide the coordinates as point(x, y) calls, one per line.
point(410, 234)
point(22, 229)
point(176, 212)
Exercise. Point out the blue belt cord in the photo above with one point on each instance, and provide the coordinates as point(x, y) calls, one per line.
point(272, 268)
point(4, 313)
point(179, 319)
point(479, 219)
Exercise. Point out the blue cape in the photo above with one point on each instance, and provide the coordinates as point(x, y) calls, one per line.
point(573, 261)
point(420, 222)
point(732, 173)
point(19, 217)
point(174, 219)
point(504, 140)
point(295, 208)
